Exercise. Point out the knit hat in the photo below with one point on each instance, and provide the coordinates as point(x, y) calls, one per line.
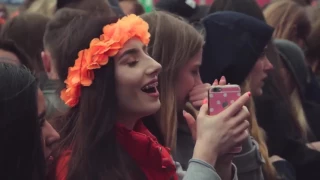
point(233, 44)
point(293, 58)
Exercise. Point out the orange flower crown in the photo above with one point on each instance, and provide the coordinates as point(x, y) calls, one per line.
point(108, 45)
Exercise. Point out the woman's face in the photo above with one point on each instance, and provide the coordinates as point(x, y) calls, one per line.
point(49, 134)
point(258, 74)
point(136, 76)
point(188, 77)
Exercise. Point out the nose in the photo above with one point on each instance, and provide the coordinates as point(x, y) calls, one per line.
point(50, 135)
point(154, 67)
point(268, 65)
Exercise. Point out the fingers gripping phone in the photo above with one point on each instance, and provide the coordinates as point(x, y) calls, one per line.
point(219, 98)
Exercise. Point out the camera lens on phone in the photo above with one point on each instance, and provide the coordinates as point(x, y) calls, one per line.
point(216, 89)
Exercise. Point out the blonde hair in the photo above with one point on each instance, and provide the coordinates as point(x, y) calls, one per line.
point(45, 7)
point(259, 135)
point(289, 19)
point(173, 43)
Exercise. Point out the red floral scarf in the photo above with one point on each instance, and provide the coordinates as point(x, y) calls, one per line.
point(152, 158)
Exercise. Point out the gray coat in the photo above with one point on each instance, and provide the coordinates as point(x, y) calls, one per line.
point(248, 162)
point(200, 170)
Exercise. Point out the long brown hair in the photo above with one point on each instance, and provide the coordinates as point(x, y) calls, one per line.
point(89, 127)
point(173, 43)
point(289, 19)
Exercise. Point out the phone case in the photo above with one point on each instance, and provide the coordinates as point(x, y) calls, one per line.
point(219, 100)
point(220, 97)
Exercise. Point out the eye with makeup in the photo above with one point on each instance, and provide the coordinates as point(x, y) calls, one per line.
point(195, 71)
point(263, 54)
point(131, 62)
point(41, 119)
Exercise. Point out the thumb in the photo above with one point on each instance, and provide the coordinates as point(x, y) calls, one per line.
point(203, 110)
point(191, 124)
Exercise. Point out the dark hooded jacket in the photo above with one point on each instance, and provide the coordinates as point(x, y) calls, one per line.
point(273, 114)
point(233, 44)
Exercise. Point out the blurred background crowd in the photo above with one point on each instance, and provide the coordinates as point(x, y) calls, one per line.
point(284, 120)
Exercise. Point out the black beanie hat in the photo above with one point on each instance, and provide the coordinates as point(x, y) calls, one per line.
point(233, 44)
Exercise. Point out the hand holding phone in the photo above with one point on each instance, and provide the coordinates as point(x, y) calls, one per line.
point(219, 98)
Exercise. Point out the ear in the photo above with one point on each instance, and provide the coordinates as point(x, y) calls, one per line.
point(46, 60)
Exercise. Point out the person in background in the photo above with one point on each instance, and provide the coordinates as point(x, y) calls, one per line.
point(92, 6)
point(294, 71)
point(22, 8)
point(240, 41)
point(22, 156)
point(290, 21)
point(44, 7)
point(300, 2)
point(131, 7)
point(248, 7)
point(103, 123)
point(114, 4)
point(27, 31)
point(3, 14)
point(187, 9)
point(180, 74)
point(313, 13)
point(312, 51)
point(10, 53)
point(54, 63)
point(287, 134)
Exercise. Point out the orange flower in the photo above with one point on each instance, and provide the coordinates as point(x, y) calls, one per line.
point(100, 50)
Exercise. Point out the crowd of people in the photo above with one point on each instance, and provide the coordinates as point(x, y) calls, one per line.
point(102, 90)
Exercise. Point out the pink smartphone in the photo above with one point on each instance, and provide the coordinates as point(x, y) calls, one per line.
point(219, 98)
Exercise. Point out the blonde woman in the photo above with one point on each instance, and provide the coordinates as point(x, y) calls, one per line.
point(177, 46)
point(290, 21)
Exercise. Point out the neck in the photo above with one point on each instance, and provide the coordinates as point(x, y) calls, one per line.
point(129, 123)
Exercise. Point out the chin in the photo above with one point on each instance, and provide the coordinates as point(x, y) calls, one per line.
point(258, 92)
point(152, 108)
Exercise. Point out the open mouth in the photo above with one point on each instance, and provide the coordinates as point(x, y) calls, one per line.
point(150, 88)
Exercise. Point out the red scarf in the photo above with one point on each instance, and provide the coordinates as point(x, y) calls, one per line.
point(152, 158)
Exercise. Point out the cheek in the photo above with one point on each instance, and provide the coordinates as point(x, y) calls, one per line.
point(257, 71)
point(184, 85)
point(128, 82)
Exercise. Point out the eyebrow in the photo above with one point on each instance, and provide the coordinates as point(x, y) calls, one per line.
point(133, 51)
point(130, 51)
